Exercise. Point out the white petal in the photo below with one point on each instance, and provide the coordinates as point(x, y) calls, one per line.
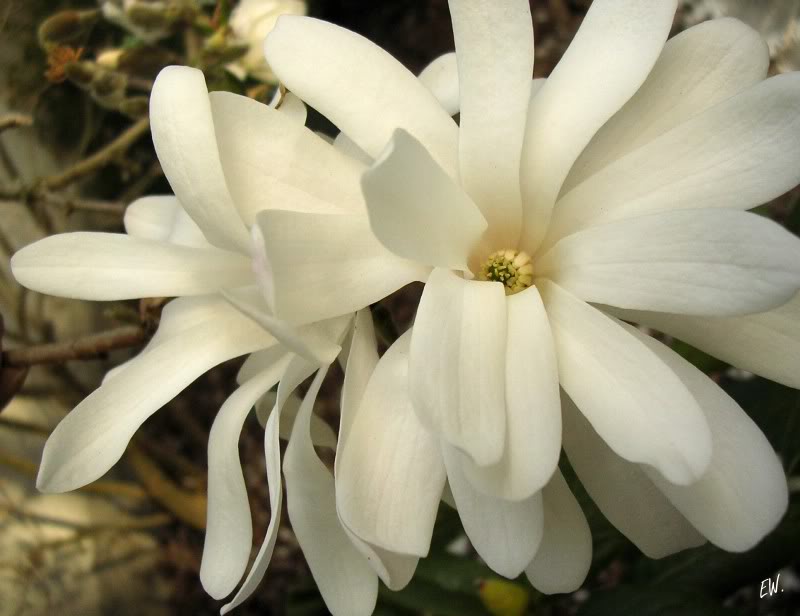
point(736, 155)
point(183, 134)
point(344, 577)
point(703, 262)
point(296, 372)
point(94, 435)
point(743, 495)
point(494, 47)
point(457, 363)
point(391, 475)
point(506, 534)
point(565, 554)
point(348, 147)
point(333, 258)
point(108, 266)
point(152, 217)
point(634, 402)
point(271, 161)
point(533, 412)
point(623, 491)
point(441, 78)
point(605, 64)
point(322, 435)
point(697, 69)
point(359, 87)
point(767, 343)
point(229, 528)
point(293, 108)
point(416, 210)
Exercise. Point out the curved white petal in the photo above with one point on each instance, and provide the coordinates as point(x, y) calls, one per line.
point(271, 161)
point(333, 258)
point(343, 575)
point(186, 144)
point(736, 155)
point(697, 69)
point(229, 527)
point(416, 210)
point(623, 491)
point(533, 412)
point(94, 435)
point(494, 48)
point(348, 147)
point(766, 343)
point(565, 554)
point(607, 61)
point(362, 89)
point(293, 108)
point(390, 476)
point(506, 534)
point(743, 495)
point(703, 262)
point(441, 78)
point(109, 266)
point(456, 370)
point(634, 402)
point(151, 217)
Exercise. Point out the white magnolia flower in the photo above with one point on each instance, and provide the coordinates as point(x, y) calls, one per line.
point(615, 189)
point(251, 21)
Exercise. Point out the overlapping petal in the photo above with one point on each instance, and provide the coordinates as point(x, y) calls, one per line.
point(441, 78)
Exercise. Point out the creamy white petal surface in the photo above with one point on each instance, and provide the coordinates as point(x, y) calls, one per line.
point(186, 144)
point(634, 402)
point(413, 204)
point(162, 218)
point(623, 491)
point(390, 476)
point(494, 106)
point(457, 364)
point(565, 553)
point(343, 575)
point(229, 526)
point(361, 88)
point(702, 262)
point(609, 58)
point(533, 413)
point(441, 78)
point(94, 435)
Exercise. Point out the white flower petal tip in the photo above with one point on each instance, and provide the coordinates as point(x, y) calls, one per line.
point(413, 204)
point(441, 78)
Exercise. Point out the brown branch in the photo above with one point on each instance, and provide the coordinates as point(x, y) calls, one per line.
point(13, 120)
point(90, 347)
point(100, 158)
point(71, 204)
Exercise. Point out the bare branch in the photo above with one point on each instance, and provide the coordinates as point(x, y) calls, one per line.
point(13, 120)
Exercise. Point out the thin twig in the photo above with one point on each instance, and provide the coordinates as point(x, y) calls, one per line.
point(100, 158)
point(71, 204)
point(13, 120)
point(90, 347)
point(23, 426)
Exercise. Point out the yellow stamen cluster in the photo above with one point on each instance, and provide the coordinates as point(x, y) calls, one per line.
point(511, 267)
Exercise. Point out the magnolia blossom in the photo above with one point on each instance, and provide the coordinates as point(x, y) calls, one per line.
point(250, 22)
point(550, 215)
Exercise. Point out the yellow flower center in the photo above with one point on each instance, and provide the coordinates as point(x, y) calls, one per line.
point(511, 267)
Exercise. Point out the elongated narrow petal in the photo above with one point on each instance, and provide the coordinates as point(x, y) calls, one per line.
point(634, 402)
point(186, 144)
point(743, 495)
point(506, 534)
point(296, 372)
point(441, 78)
point(344, 577)
point(336, 258)
point(494, 106)
point(456, 372)
point(272, 161)
point(605, 64)
point(162, 218)
point(94, 435)
point(362, 89)
point(722, 158)
point(701, 262)
point(565, 553)
point(391, 474)
point(533, 412)
point(416, 210)
point(623, 491)
point(108, 266)
point(697, 69)
point(767, 343)
point(229, 529)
